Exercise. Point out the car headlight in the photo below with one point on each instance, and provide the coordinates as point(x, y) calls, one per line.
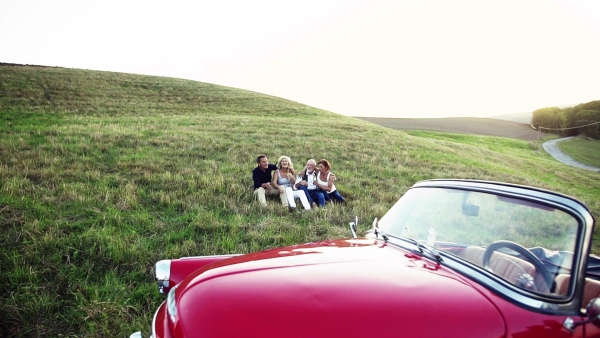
point(162, 272)
point(172, 304)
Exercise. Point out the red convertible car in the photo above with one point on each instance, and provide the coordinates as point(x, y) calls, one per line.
point(452, 258)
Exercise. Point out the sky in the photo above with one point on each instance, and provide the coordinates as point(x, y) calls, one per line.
point(402, 58)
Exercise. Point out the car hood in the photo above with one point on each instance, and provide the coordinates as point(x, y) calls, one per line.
point(345, 287)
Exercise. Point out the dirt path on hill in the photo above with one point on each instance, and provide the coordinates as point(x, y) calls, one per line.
point(551, 148)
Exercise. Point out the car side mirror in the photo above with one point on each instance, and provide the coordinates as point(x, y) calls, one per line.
point(470, 209)
point(592, 313)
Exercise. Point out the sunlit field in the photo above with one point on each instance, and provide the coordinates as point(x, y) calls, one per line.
point(102, 174)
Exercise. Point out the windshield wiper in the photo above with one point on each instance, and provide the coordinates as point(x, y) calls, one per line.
point(433, 251)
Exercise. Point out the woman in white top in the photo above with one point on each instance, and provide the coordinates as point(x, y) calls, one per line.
point(325, 181)
point(283, 179)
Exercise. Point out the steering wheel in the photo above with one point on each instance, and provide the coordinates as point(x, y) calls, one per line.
point(540, 268)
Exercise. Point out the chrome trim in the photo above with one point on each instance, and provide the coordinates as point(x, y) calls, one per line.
point(162, 272)
point(136, 335)
point(569, 324)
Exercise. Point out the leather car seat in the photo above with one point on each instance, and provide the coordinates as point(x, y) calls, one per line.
point(591, 289)
point(503, 265)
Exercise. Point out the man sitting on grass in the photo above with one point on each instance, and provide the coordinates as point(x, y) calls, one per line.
point(261, 175)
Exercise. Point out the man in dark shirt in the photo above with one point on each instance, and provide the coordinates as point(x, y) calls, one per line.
point(261, 175)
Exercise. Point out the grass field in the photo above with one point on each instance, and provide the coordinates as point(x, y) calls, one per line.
point(582, 150)
point(102, 174)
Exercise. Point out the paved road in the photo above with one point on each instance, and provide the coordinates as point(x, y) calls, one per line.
point(551, 148)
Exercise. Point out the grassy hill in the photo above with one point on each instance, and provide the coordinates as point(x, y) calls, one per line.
point(102, 174)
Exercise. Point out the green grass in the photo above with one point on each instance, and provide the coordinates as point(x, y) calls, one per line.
point(103, 174)
point(586, 151)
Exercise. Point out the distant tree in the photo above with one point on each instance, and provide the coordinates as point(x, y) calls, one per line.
point(592, 105)
point(568, 121)
point(551, 118)
point(589, 120)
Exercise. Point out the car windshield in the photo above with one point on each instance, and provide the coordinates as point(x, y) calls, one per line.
point(522, 241)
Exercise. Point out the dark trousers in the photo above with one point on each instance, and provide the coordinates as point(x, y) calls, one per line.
point(314, 196)
point(335, 196)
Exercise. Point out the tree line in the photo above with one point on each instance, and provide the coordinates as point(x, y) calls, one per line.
point(583, 119)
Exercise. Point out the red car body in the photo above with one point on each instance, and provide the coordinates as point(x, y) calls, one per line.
point(361, 287)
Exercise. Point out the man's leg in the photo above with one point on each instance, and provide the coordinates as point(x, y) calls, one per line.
point(260, 195)
point(318, 196)
point(273, 192)
point(306, 191)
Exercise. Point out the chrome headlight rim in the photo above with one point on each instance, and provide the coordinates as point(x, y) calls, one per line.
point(162, 272)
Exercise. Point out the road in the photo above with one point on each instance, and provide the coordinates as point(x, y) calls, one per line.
point(551, 148)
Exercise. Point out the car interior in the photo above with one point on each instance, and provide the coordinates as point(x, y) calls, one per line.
point(510, 268)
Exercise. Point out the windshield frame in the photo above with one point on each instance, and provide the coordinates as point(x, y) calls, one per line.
point(534, 300)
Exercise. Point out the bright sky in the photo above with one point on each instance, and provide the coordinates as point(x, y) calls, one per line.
point(403, 58)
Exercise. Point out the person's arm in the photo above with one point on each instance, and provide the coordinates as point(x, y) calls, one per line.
point(298, 181)
point(256, 179)
point(274, 182)
point(291, 175)
point(327, 187)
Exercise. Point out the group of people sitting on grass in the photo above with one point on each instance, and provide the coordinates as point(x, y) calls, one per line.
point(314, 185)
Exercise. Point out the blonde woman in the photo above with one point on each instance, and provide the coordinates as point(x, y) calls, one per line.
point(283, 179)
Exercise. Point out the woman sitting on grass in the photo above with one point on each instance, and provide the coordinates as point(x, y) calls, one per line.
point(283, 178)
point(325, 181)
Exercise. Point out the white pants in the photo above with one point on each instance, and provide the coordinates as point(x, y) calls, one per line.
point(293, 194)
